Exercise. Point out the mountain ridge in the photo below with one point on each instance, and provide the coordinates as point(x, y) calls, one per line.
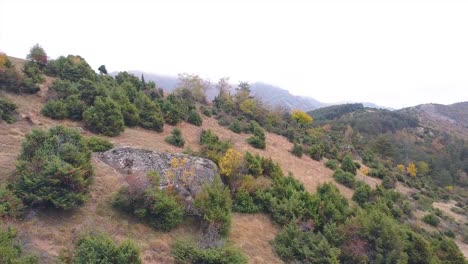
point(269, 94)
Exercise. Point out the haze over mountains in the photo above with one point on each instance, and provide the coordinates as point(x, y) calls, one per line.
point(269, 94)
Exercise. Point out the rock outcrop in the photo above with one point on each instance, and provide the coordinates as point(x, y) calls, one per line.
point(186, 174)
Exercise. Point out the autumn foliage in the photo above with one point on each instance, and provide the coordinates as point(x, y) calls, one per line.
point(301, 117)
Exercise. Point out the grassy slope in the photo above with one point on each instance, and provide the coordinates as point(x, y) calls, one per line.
point(51, 232)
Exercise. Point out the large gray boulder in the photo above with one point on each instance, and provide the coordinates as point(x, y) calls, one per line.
point(186, 174)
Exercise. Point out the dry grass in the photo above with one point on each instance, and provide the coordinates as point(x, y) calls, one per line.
point(253, 233)
point(310, 172)
point(445, 207)
point(50, 232)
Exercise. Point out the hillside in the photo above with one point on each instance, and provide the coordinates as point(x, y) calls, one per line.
point(451, 118)
point(288, 189)
point(252, 233)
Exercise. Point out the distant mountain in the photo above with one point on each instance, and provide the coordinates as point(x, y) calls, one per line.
point(365, 104)
point(269, 94)
point(273, 95)
point(450, 118)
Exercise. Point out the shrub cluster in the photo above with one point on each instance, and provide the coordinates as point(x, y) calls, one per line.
point(297, 150)
point(431, 219)
point(175, 138)
point(10, 205)
point(54, 168)
point(213, 204)
point(212, 147)
point(11, 249)
point(100, 248)
point(194, 118)
point(257, 140)
point(187, 251)
point(13, 81)
point(144, 199)
point(345, 178)
point(332, 164)
point(98, 144)
point(7, 111)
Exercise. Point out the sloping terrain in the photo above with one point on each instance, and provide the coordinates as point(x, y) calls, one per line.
point(49, 233)
point(451, 118)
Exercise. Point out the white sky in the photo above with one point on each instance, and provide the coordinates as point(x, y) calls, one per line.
point(392, 53)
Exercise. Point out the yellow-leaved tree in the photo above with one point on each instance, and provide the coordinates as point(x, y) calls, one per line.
point(401, 168)
point(301, 117)
point(411, 169)
point(231, 163)
point(3, 60)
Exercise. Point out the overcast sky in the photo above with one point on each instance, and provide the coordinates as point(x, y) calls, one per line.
point(392, 53)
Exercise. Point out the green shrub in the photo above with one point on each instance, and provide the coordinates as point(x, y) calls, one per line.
point(362, 194)
point(64, 88)
point(175, 138)
point(10, 205)
point(254, 164)
point(379, 171)
point(72, 68)
point(297, 150)
point(100, 248)
point(212, 147)
point(256, 142)
point(11, 249)
point(10, 78)
point(172, 114)
point(54, 168)
point(194, 118)
point(418, 249)
point(447, 251)
point(315, 152)
point(389, 182)
point(287, 200)
point(90, 90)
point(329, 205)
point(33, 71)
point(332, 164)
point(375, 231)
point(348, 164)
point(214, 206)
point(235, 127)
point(258, 138)
point(104, 117)
point(158, 208)
point(345, 178)
point(28, 86)
point(55, 109)
point(188, 252)
point(75, 107)
point(98, 144)
point(431, 219)
point(207, 111)
point(7, 111)
point(150, 113)
point(295, 245)
point(130, 114)
point(244, 203)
